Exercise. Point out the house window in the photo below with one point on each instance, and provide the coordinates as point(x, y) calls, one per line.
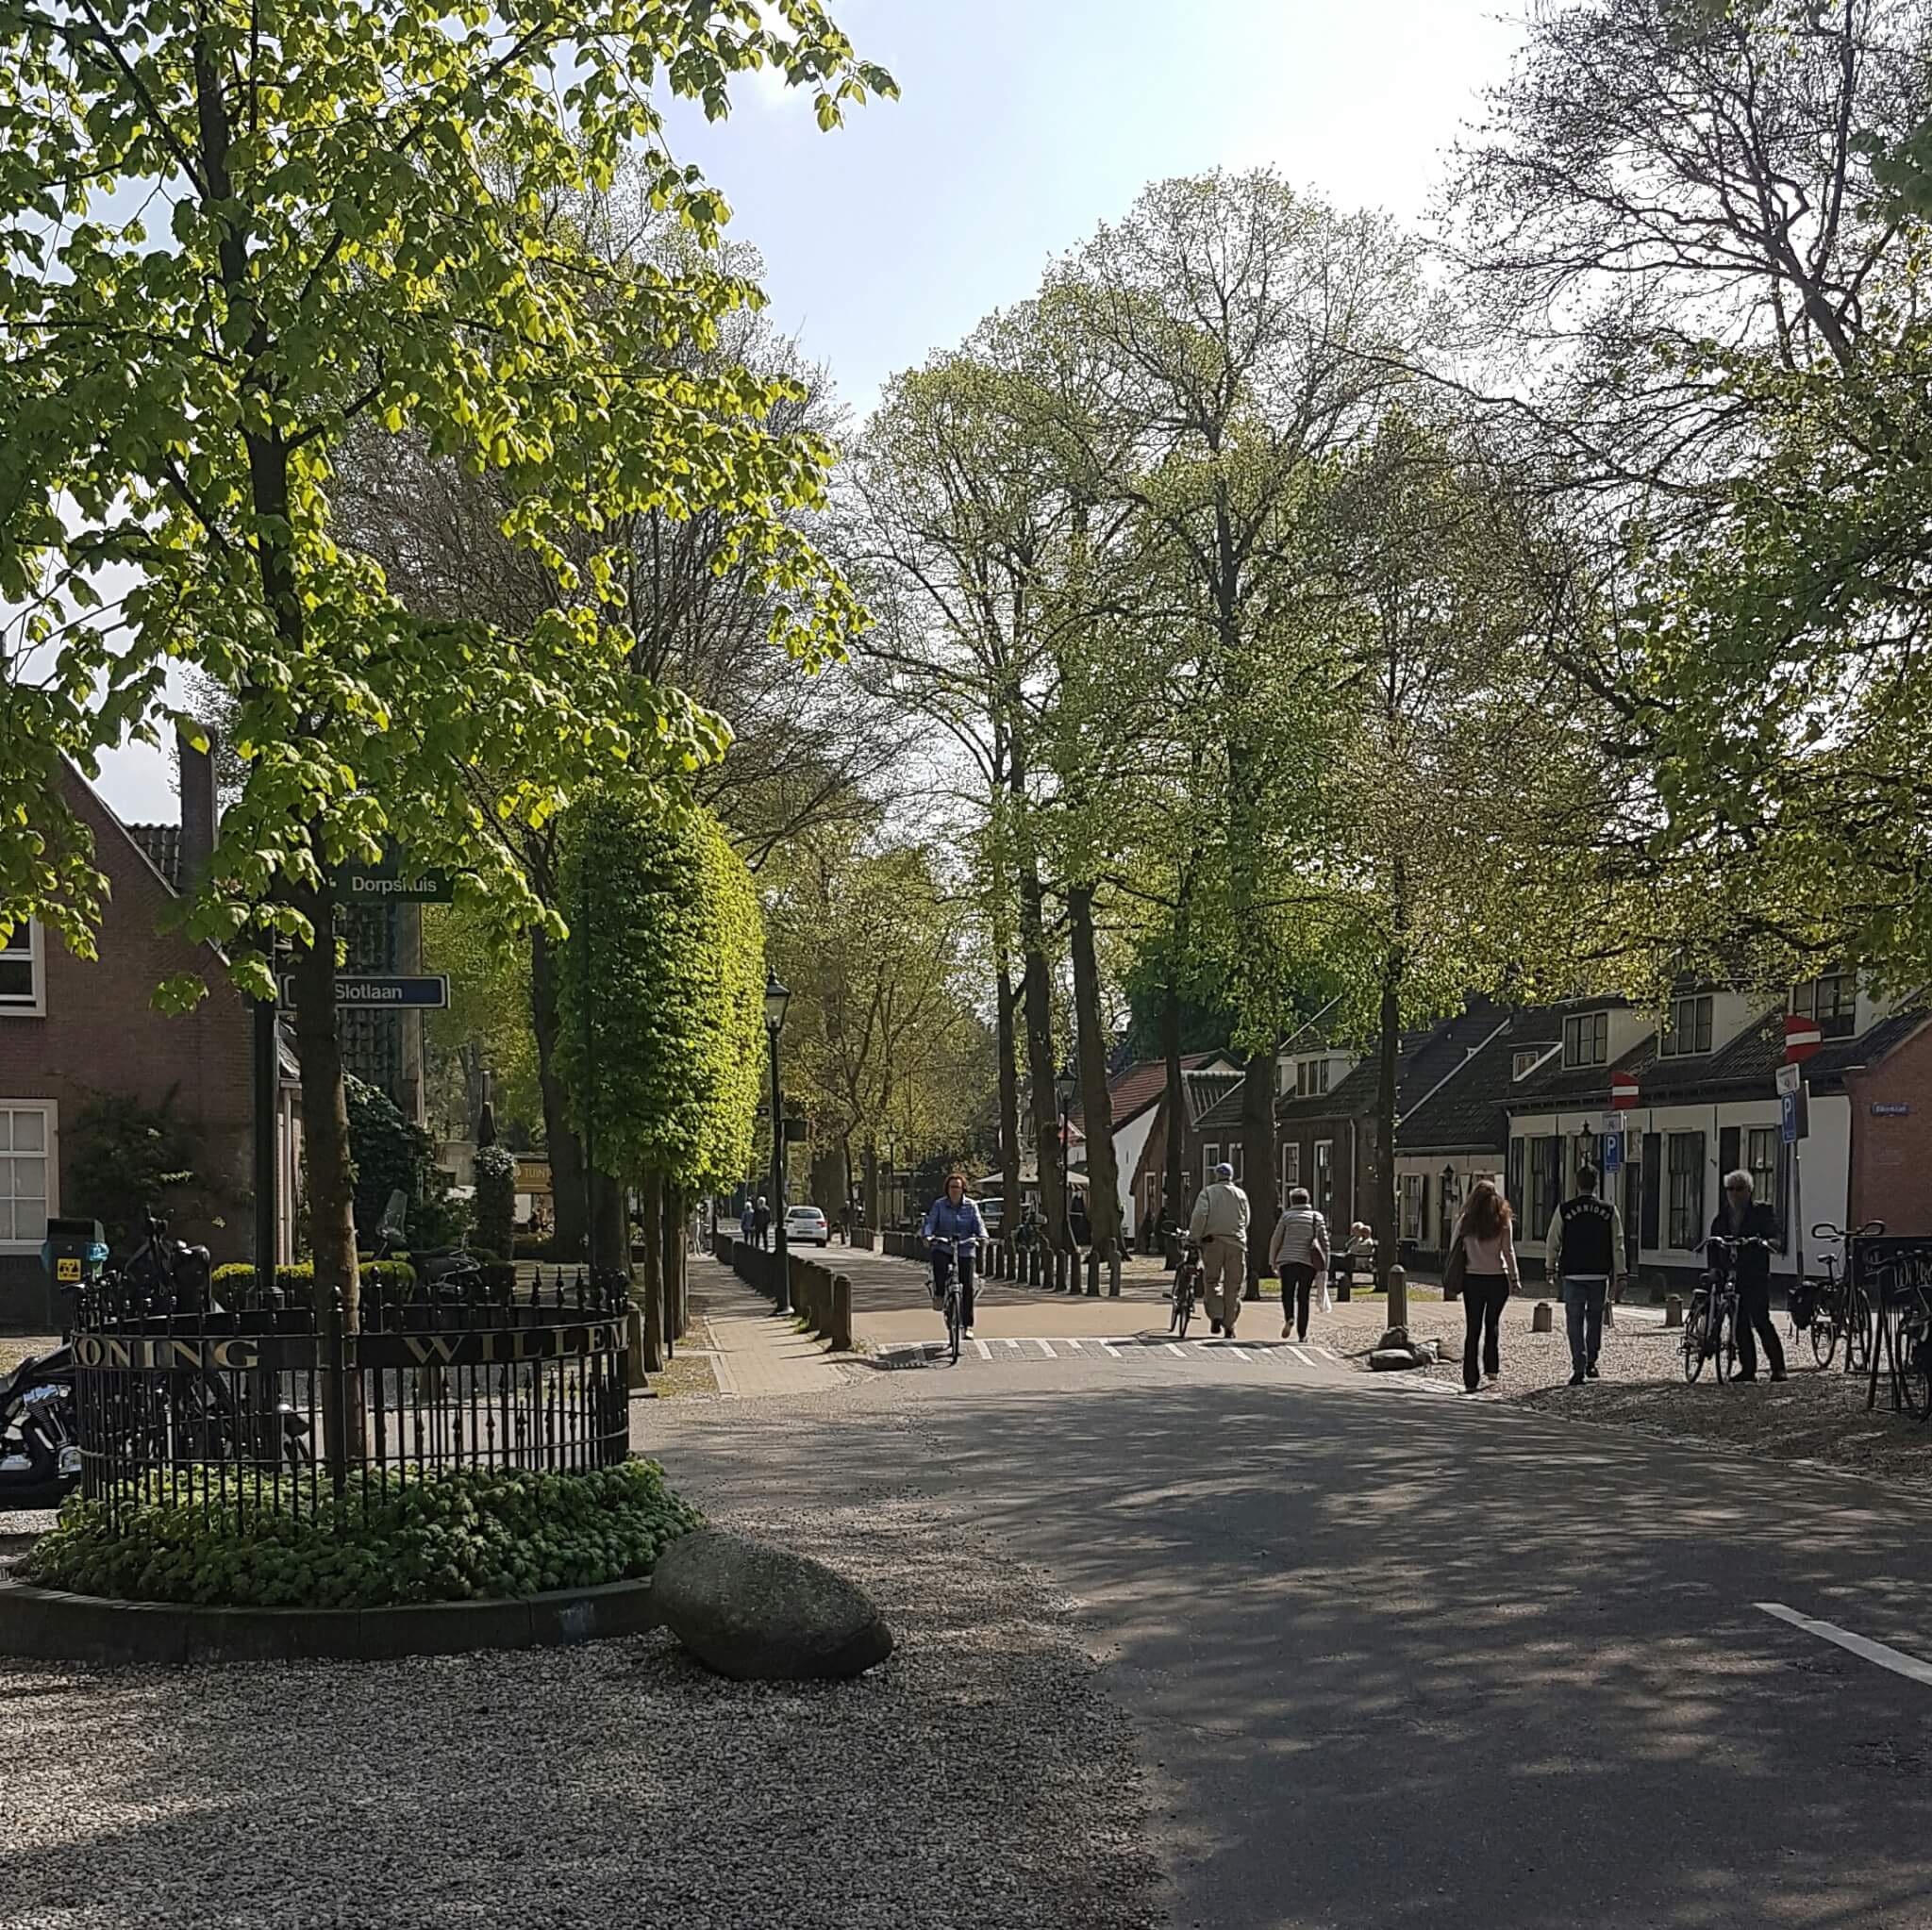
point(1686, 1160)
point(23, 970)
point(1764, 1161)
point(1238, 1158)
point(1522, 1063)
point(1412, 1203)
point(25, 1144)
point(1210, 1159)
point(1325, 1176)
point(1290, 1164)
point(1544, 1186)
point(1687, 1028)
point(1586, 1039)
point(1310, 1077)
point(1832, 1000)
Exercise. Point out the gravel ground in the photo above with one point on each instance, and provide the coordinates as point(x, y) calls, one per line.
point(687, 1377)
point(14, 1348)
point(980, 1778)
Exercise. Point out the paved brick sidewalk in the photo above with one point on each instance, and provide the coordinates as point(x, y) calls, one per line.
point(754, 1352)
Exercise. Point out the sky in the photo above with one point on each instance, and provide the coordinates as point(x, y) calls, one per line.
point(1021, 125)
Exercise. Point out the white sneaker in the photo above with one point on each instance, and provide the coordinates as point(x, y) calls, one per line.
point(965, 1333)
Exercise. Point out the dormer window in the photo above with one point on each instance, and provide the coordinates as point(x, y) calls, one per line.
point(1586, 1039)
point(1525, 1062)
point(1832, 1000)
point(1310, 1077)
point(1687, 1028)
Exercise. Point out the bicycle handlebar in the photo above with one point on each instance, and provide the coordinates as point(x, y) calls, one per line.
point(1872, 1229)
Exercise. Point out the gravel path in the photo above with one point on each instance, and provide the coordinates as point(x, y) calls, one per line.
point(980, 1778)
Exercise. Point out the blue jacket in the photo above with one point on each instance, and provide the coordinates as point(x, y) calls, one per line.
point(954, 1222)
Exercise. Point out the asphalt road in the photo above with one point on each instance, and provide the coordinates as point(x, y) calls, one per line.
point(1432, 1662)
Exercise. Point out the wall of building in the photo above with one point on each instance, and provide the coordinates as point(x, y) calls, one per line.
point(1891, 1137)
point(99, 1033)
point(1823, 1171)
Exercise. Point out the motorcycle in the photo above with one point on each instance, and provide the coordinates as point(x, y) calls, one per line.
point(40, 1430)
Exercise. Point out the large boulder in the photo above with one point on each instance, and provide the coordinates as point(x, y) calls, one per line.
point(763, 1614)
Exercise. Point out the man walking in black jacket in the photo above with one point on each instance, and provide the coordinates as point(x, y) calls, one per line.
point(1585, 1255)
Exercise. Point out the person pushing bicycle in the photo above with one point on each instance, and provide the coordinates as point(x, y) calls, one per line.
point(954, 1217)
point(1741, 1238)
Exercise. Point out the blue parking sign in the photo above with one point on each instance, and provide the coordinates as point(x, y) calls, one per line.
point(1613, 1151)
point(1788, 1117)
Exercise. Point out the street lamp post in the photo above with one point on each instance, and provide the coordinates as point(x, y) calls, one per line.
point(776, 999)
point(1063, 1091)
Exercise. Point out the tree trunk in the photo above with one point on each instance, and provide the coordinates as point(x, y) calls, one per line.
point(871, 1184)
point(1258, 1161)
point(610, 1226)
point(331, 1192)
point(1049, 1154)
point(1173, 1182)
point(1007, 1045)
point(650, 1208)
point(565, 1149)
point(669, 1242)
point(1096, 1104)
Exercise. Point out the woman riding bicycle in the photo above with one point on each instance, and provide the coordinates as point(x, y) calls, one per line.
point(954, 1217)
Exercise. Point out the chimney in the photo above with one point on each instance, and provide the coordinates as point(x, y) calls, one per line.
point(197, 806)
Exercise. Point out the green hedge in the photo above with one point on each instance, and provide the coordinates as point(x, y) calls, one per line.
point(299, 1281)
point(455, 1537)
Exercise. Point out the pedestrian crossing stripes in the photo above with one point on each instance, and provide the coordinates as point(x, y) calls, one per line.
point(1261, 1356)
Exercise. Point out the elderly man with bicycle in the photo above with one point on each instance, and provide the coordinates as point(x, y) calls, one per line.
point(1741, 1238)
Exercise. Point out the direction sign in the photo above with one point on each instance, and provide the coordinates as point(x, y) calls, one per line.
point(1789, 1078)
point(391, 884)
point(383, 991)
point(1622, 1091)
point(1802, 1038)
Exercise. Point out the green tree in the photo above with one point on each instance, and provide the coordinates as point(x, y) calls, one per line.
point(662, 998)
point(230, 236)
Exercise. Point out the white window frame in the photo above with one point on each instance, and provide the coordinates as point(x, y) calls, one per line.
point(36, 1007)
point(1840, 1024)
point(1699, 1007)
point(1316, 1188)
point(1290, 1165)
point(1312, 1078)
point(1411, 1205)
point(1599, 1023)
point(1210, 1159)
point(51, 1108)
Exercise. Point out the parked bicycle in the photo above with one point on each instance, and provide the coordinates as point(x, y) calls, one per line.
point(1906, 1296)
point(1187, 1282)
point(1710, 1326)
point(1837, 1307)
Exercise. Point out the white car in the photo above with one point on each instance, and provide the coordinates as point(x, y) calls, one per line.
point(806, 1225)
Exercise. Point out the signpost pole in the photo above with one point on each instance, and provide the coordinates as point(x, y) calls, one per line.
point(267, 1071)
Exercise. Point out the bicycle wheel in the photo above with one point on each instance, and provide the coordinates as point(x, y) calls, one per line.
point(1857, 1325)
point(1825, 1336)
point(1915, 1368)
point(1182, 1306)
point(952, 1322)
point(1724, 1353)
point(1695, 1349)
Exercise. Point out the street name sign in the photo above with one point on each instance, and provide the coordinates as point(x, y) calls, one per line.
point(383, 991)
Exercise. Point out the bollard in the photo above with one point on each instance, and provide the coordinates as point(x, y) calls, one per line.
point(1093, 1272)
point(1674, 1311)
point(1033, 1266)
point(1113, 1278)
point(1540, 1320)
point(842, 1314)
point(1398, 1297)
point(1343, 1282)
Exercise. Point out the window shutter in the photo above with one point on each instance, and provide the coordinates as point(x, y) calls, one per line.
point(1651, 1215)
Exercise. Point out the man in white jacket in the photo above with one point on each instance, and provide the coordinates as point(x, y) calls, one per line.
point(1220, 1225)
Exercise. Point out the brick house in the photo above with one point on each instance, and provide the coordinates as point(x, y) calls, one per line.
point(73, 1029)
point(1137, 1095)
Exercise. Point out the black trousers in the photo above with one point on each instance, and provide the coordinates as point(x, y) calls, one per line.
point(1484, 1296)
point(940, 1268)
point(1754, 1311)
point(1297, 1283)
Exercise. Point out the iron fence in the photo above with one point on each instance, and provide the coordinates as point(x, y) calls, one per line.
point(279, 1407)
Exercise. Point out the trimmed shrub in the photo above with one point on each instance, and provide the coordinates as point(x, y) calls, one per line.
point(496, 1199)
point(462, 1537)
point(298, 1282)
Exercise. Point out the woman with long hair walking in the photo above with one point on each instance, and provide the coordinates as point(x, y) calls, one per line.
point(1486, 1248)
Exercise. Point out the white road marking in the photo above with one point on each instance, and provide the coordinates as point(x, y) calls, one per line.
point(1240, 1353)
point(1014, 1345)
point(1202, 1347)
point(1895, 1659)
point(1045, 1347)
point(1328, 1351)
point(1175, 1351)
point(1301, 1357)
point(1075, 1346)
point(985, 1352)
point(1107, 1348)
